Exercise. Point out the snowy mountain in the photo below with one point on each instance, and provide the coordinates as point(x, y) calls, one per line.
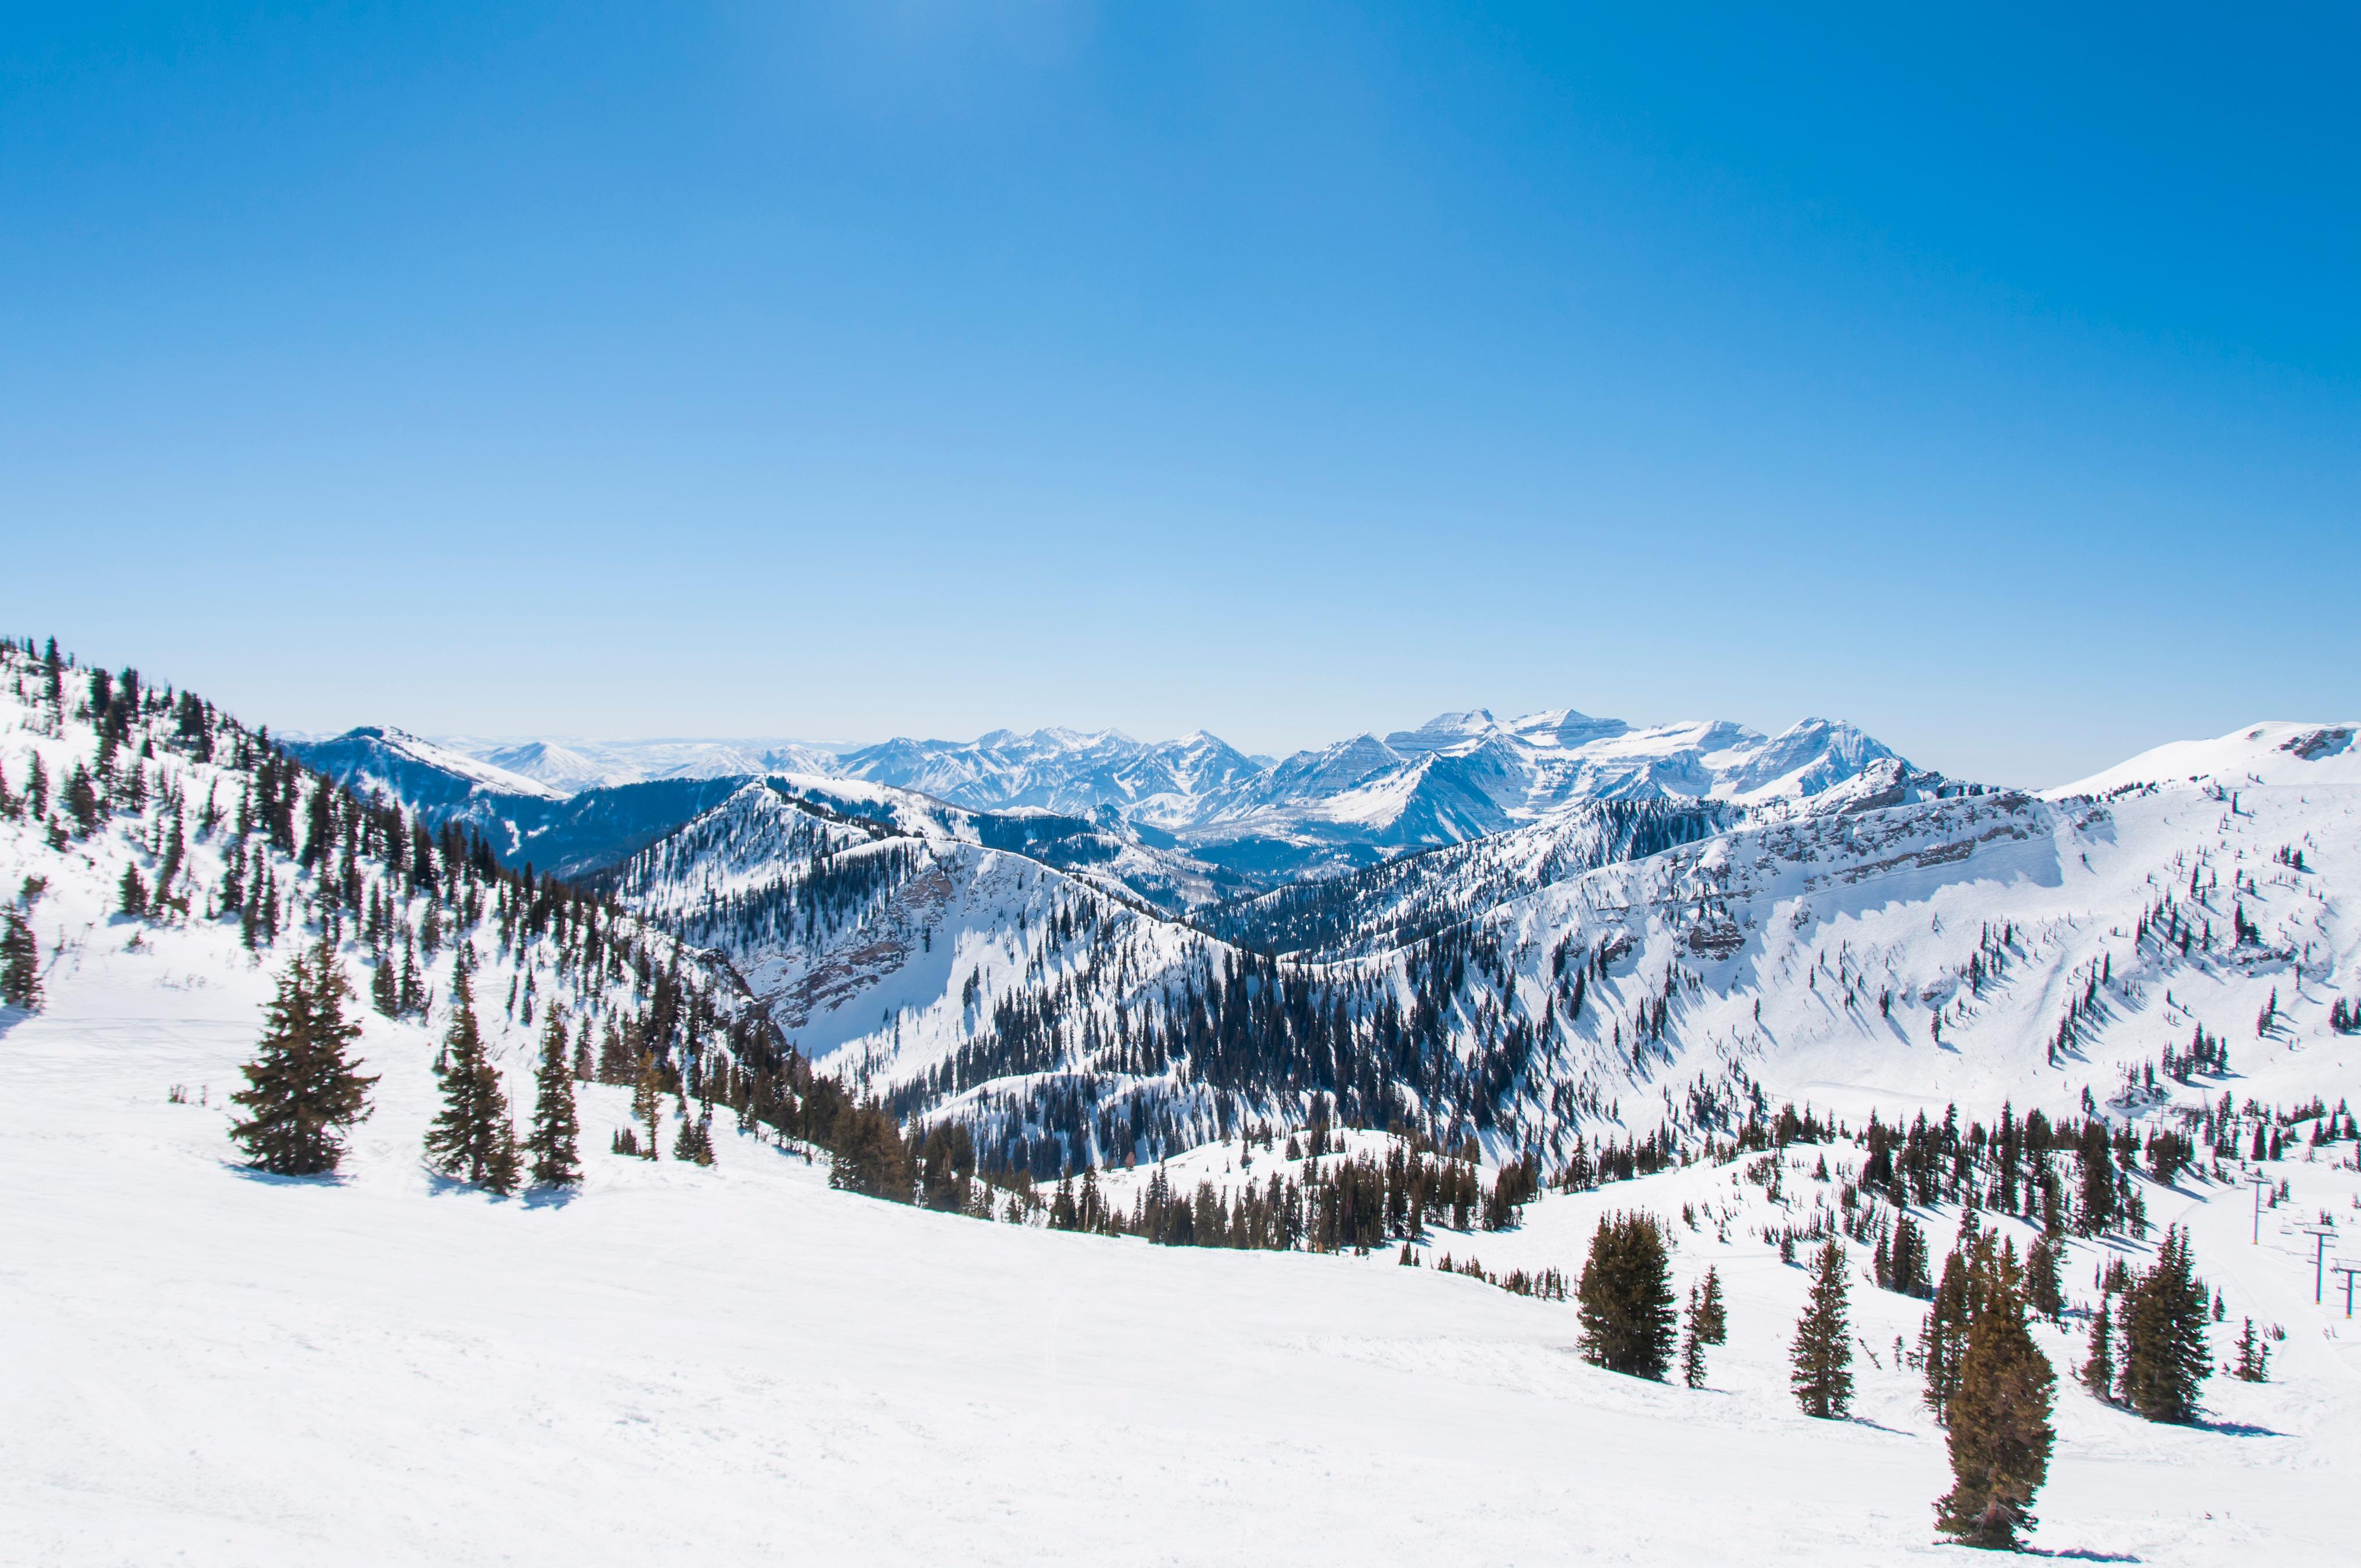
point(1630, 997)
point(1457, 777)
point(1600, 975)
point(572, 765)
point(401, 766)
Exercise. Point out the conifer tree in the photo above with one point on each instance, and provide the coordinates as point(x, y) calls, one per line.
point(1821, 1355)
point(556, 1128)
point(2254, 1363)
point(2043, 1293)
point(1692, 1341)
point(20, 965)
point(301, 1090)
point(2098, 1371)
point(2165, 1352)
point(870, 1156)
point(647, 1102)
point(1626, 1297)
point(1998, 1417)
point(472, 1139)
point(1713, 1317)
point(1943, 1340)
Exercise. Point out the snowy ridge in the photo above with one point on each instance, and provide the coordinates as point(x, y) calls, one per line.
point(401, 766)
point(1603, 976)
point(232, 883)
point(1459, 776)
point(572, 765)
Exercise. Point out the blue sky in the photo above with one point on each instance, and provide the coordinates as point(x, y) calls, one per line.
point(1987, 377)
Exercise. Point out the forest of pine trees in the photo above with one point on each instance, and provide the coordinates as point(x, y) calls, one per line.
point(305, 862)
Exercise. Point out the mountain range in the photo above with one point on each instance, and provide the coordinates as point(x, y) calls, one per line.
point(1201, 815)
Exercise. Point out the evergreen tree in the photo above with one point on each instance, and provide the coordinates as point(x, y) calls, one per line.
point(472, 1139)
point(1692, 1341)
point(131, 893)
point(1713, 1317)
point(385, 993)
point(1821, 1355)
point(2254, 1365)
point(1998, 1419)
point(20, 965)
point(301, 1090)
point(647, 1102)
point(2043, 1293)
point(870, 1156)
point(2165, 1352)
point(1943, 1340)
point(695, 1142)
point(1626, 1297)
point(2099, 1370)
point(557, 1129)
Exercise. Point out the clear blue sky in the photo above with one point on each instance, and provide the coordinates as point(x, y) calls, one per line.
point(1986, 376)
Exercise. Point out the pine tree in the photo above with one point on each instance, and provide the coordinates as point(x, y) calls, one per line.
point(384, 992)
point(1822, 1352)
point(555, 1127)
point(301, 1090)
point(20, 965)
point(2254, 1365)
point(131, 893)
point(2165, 1352)
point(2098, 1371)
point(647, 1103)
point(1713, 1317)
point(1943, 1340)
point(1626, 1297)
point(870, 1156)
point(2043, 1293)
point(1998, 1419)
point(472, 1139)
point(1692, 1341)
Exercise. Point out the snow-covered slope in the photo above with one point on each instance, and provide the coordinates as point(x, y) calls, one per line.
point(176, 854)
point(1544, 985)
point(1459, 776)
point(737, 1364)
point(2276, 754)
point(573, 764)
point(401, 766)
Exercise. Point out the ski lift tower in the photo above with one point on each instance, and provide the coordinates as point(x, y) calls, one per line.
point(2347, 1268)
point(2319, 1234)
point(2261, 1183)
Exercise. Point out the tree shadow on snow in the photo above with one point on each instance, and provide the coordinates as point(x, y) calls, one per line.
point(2235, 1428)
point(2079, 1554)
point(273, 1178)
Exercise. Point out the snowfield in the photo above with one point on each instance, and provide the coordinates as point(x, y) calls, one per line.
point(737, 1364)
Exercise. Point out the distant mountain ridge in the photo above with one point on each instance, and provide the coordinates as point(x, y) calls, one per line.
point(1358, 801)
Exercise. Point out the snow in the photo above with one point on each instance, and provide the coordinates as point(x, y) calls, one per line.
point(2274, 753)
point(739, 1365)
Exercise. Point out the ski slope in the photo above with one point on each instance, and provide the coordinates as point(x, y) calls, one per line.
point(737, 1364)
